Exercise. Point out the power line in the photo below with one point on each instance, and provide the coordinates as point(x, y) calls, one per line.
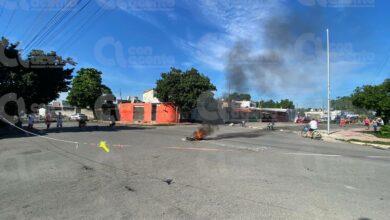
point(9, 21)
point(2, 11)
point(78, 33)
point(36, 20)
point(65, 25)
point(48, 24)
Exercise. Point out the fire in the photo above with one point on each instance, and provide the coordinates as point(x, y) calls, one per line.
point(199, 134)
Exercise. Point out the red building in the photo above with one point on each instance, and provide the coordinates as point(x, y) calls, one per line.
point(153, 113)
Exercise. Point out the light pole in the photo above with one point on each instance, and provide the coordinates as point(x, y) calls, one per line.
point(328, 64)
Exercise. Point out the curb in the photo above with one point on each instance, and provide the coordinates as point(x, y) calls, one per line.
point(377, 146)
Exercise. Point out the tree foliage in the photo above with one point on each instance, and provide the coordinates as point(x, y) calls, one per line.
point(239, 96)
point(345, 104)
point(86, 88)
point(284, 103)
point(375, 98)
point(38, 79)
point(183, 88)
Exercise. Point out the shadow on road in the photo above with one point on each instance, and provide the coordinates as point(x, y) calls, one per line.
point(250, 134)
point(10, 132)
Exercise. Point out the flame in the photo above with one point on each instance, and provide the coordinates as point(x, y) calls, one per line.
point(199, 134)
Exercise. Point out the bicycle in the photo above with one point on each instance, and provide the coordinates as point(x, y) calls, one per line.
point(306, 133)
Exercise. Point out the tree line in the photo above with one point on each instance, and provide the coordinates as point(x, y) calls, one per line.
point(41, 77)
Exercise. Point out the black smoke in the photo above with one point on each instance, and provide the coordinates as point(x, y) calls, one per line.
point(275, 65)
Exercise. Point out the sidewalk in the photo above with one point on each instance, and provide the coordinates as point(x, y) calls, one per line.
point(356, 136)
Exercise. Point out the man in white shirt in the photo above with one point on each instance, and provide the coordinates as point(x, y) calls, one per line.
point(313, 125)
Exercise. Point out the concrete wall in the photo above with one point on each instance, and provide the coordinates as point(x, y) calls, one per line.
point(165, 113)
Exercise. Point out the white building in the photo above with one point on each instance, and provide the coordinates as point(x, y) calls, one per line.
point(150, 97)
point(243, 104)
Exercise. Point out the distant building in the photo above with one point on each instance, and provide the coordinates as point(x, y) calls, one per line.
point(133, 99)
point(243, 104)
point(149, 96)
point(277, 114)
point(150, 111)
point(145, 113)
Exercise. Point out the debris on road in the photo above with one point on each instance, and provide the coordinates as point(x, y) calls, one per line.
point(129, 189)
point(85, 167)
point(168, 181)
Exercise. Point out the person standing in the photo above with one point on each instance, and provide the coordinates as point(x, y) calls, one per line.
point(375, 124)
point(59, 120)
point(48, 120)
point(31, 121)
point(367, 123)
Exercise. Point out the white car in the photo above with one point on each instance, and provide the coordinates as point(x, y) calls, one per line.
point(78, 117)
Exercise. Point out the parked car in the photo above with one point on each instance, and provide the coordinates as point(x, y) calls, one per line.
point(78, 117)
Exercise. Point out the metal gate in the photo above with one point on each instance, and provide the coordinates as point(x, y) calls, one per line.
point(154, 112)
point(138, 114)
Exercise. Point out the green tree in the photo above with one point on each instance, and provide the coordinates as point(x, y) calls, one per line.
point(38, 79)
point(375, 98)
point(284, 103)
point(345, 104)
point(183, 88)
point(86, 88)
point(287, 104)
point(239, 96)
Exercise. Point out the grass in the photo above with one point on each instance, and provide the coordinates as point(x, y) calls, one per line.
point(378, 134)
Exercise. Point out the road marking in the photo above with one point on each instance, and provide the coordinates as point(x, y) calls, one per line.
point(350, 187)
point(255, 149)
point(193, 148)
point(311, 154)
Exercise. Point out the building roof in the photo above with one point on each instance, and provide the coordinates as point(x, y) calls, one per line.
point(274, 109)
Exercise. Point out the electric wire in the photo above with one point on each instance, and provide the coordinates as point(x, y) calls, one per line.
point(81, 30)
point(47, 25)
point(9, 22)
point(65, 25)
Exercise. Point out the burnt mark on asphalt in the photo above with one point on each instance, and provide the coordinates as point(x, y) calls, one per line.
point(36, 151)
point(251, 134)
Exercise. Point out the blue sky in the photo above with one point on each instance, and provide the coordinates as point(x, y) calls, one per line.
point(132, 42)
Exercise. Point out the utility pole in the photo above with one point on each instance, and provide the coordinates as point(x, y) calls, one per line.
point(328, 61)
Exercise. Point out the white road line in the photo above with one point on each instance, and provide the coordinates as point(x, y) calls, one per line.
point(311, 154)
point(350, 187)
point(193, 148)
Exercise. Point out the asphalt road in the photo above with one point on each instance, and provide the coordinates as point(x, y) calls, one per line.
point(238, 173)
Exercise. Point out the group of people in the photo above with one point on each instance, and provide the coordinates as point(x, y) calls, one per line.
point(376, 123)
point(59, 120)
point(48, 120)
